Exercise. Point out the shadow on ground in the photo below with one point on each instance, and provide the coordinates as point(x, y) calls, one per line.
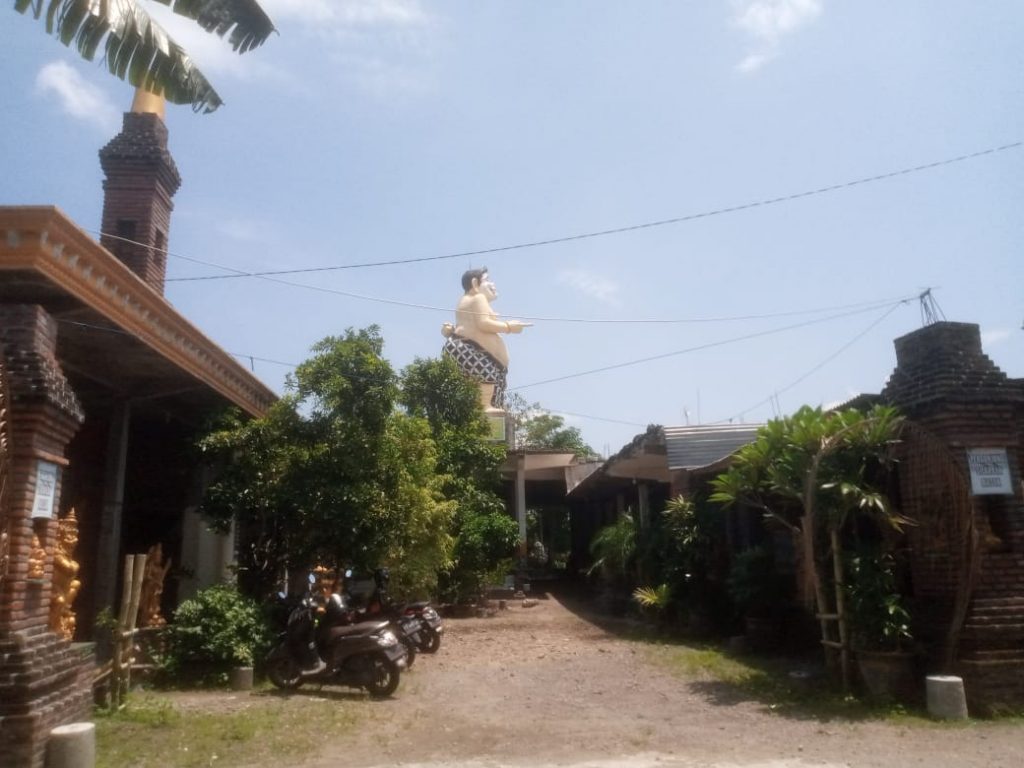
point(795, 687)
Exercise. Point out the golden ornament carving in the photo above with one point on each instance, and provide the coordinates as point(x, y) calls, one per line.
point(36, 560)
point(153, 587)
point(65, 581)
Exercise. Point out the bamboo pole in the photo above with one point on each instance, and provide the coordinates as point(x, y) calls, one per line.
point(844, 640)
point(139, 569)
point(119, 685)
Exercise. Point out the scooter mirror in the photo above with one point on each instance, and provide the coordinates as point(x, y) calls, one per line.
point(311, 579)
point(348, 574)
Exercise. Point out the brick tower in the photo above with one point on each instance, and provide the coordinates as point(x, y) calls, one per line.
point(944, 383)
point(141, 179)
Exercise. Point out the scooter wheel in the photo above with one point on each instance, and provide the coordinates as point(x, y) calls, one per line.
point(385, 677)
point(284, 673)
point(430, 641)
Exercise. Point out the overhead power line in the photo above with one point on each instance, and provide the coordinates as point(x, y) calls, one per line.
point(548, 319)
point(773, 398)
point(235, 273)
point(699, 347)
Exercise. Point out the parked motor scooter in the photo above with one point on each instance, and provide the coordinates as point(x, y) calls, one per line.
point(430, 626)
point(331, 650)
point(406, 628)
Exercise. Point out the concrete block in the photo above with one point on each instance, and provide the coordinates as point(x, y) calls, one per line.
point(946, 699)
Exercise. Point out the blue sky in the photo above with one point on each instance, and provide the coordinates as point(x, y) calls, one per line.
point(394, 129)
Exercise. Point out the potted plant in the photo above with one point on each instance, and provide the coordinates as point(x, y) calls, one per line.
point(879, 626)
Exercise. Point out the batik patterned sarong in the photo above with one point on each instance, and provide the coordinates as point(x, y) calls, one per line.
point(477, 363)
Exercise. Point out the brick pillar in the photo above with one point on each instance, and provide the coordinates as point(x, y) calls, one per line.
point(44, 680)
point(141, 179)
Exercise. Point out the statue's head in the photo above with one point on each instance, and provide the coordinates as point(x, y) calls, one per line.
point(472, 278)
point(478, 279)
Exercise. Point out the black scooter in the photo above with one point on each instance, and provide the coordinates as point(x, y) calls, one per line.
point(420, 616)
point(333, 651)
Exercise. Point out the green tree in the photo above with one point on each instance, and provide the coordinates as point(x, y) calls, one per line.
point(138, 50)
point(533, 427)
point(335, 474)
point(469, 463)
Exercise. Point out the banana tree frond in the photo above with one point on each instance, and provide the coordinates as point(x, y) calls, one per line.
point(245, 19)
point(136, 48)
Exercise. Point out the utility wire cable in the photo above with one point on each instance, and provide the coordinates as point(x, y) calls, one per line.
point(547, 319)
point(697, 348)
point(242, 356)
point(773, 398)
point(605, 232)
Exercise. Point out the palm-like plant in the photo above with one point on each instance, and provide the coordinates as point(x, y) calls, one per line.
point(614, 548)
point(140, 51)
point(810, 471)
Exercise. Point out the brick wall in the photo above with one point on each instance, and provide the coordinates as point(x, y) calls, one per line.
point(44, 681)
point(141, 179)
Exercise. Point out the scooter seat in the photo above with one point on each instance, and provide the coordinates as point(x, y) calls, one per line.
point(362, 628)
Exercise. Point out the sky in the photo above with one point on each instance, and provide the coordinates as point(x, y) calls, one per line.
point(393, 130)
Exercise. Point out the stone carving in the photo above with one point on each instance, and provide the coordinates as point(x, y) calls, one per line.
point(65, 578)
point(36, 560)
point(153, 587)
point(474, 341)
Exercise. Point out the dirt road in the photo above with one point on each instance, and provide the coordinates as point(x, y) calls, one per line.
point(542, 687)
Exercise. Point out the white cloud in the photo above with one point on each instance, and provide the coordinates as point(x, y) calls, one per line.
point(77, 96)
point(767, 22)
point(244, 230)
point(347, 14)
point(590, 284)
point(994, 336)
point(376, 45)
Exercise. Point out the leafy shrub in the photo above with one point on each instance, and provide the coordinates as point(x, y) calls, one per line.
point(614, 548)
point(482, 552)
point(654, 598)
point(216, 630)
point(878, 619)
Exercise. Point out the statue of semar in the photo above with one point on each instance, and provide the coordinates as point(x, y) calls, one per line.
point(475, 343)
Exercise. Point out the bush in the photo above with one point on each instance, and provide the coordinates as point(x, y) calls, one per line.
point(216, 630)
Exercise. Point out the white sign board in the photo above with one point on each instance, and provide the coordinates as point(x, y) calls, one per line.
point(990, 472)
point(46, 489)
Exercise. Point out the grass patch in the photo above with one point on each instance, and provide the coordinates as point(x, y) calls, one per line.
point(781, 685)
point(263, 730)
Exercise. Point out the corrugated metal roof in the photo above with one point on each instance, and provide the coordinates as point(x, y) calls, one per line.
point(692, 447)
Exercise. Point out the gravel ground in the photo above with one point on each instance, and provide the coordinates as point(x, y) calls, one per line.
point(541, 686)
point(544, 687)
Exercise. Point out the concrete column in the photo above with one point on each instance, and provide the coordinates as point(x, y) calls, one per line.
point(109, 542)
point(521, 498)
point(72, 746)
point(643, 494)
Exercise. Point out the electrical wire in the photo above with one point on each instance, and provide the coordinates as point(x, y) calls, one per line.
point(697, 348)
point(773, 398)
point(604, 232)
point(547, 319)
